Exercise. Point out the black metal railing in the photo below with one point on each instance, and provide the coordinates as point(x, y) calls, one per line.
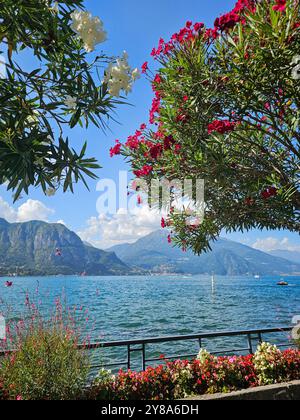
point(252, 339)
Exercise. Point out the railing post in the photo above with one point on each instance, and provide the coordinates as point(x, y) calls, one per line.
point(128, 357)
point(144, 356)
point(260, 338)
point(250, 344)
point(200, 343)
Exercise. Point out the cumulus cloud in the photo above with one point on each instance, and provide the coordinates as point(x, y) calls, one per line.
point(7, 212)
point(105, 231)
point(30, 210)
point(274, 244)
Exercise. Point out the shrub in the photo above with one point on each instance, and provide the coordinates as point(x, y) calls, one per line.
point(46, 366)
point(41, 357)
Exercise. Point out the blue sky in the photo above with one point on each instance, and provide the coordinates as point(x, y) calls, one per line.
point(134, 26)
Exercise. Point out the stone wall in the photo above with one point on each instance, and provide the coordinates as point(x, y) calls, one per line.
point(285, 392)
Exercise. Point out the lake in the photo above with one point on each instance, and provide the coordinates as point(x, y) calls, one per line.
point(120, 308)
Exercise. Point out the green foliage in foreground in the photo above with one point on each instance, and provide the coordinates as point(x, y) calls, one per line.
point(47, 366)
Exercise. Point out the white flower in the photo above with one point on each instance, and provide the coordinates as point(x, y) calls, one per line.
point(50, 192)
point(55, 7)
point(71, 102)
point(34, 118)
point(136, 74)
point(119, 76)
point(89, 28)
point(296, 67)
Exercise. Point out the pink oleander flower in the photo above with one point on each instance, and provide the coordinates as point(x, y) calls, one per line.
point(280, 6)
point(116, 150)
point(221, 126)
point(145, 67)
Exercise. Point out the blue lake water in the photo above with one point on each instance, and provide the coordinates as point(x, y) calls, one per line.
point(141, 307)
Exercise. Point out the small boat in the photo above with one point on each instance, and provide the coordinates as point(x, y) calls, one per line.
point(282, 283)
point(257, 276)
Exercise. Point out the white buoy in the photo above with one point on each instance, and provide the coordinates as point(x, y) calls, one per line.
point(2, 328)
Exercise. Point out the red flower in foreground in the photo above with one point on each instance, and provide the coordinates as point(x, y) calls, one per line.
point(163, 223)
point(280, 6)
point(221, 126)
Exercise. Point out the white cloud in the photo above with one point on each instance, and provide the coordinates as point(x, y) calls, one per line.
point(7, 212)
point(104, 231)
point(274, 244)
point(30, 210)
point(33, 210)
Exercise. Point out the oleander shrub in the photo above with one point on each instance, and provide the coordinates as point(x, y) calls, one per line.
point(226, 111)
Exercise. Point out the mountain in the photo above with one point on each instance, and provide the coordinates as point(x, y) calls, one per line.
point(226, 258)
point(293, 256)
point(30, 249)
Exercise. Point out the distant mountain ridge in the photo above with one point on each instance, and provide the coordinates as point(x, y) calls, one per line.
point(293, 256)
point(153, 253)
point(30, 249)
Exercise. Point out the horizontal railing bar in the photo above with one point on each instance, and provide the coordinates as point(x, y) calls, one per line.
point(229, 351)
point(195, 355)
point(109, 365)
point(184, 338)
point(284, 345)
point(202, 336)
point(170, 358)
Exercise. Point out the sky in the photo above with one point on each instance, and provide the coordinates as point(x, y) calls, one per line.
point(134, 26)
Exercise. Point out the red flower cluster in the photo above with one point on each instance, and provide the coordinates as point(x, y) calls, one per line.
point(229, 20)
point(116, 150)
point(145, 171)
point(133, 142)
point(221, 126)
point(182, 117)
point(186, 34)
point(156, 150)
point(168, 142)
point(280, 5)
point(154, 109)
point(269, 192)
